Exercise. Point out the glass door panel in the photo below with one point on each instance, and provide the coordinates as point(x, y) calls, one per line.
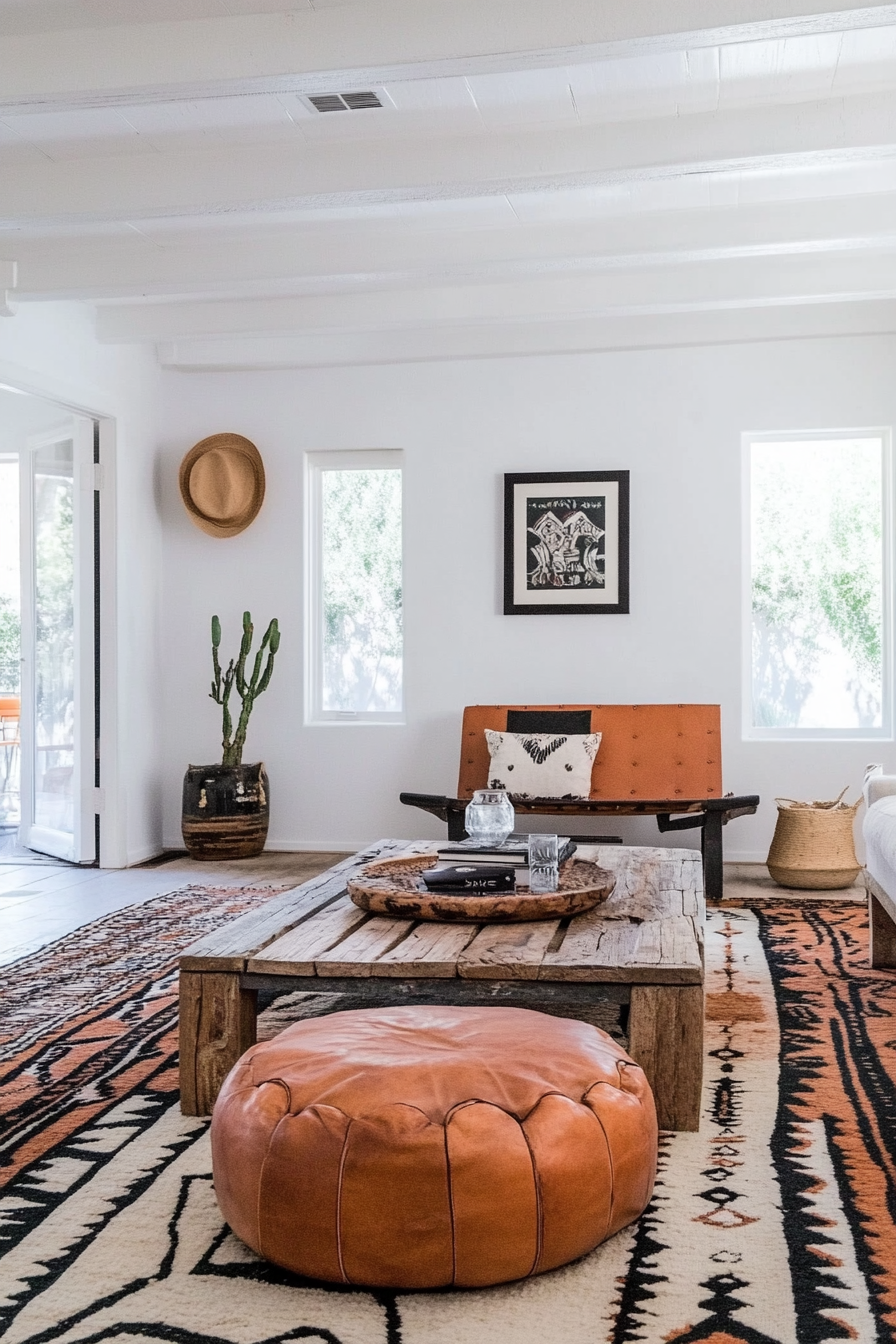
point(54, 637)
point(58, 813)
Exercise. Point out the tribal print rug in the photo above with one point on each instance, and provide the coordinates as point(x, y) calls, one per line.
point(773, 1225)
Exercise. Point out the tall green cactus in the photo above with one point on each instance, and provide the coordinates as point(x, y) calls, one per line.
point(235, 675)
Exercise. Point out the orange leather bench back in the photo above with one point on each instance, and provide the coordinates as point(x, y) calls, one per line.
point(647, 752)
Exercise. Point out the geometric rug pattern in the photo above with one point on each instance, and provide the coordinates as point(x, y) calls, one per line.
point(775, 1224)
point(89, 1018)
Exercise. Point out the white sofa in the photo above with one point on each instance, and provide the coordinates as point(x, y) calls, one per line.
point(879, 833)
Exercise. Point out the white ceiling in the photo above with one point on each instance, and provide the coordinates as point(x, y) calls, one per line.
point(569, 176)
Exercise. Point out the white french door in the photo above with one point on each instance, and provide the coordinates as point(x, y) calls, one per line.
point(58, 717)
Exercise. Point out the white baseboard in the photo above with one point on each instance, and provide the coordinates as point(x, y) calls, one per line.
point(275, 845)
point(325, 846)
point(145, 853)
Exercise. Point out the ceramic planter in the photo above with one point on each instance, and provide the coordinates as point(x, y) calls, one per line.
point(225, 811)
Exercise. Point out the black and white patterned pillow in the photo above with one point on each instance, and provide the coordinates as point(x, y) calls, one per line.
point(542, 765)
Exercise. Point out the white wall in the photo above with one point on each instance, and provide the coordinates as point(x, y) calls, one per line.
point(673, 418)
point(50, 349)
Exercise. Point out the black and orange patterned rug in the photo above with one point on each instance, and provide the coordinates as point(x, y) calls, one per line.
point(775, 1224)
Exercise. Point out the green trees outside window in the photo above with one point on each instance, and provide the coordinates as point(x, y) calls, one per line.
point(361, 582)
point(817, 583)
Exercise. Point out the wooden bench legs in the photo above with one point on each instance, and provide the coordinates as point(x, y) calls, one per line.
point(665, 1036)
point(217, 1024)
point(711, 846)
point(457, 831)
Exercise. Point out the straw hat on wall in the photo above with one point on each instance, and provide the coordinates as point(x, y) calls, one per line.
point(222, 484)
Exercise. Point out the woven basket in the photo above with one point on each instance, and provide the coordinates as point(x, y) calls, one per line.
point(813, 844)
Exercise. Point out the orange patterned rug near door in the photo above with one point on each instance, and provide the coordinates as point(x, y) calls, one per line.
point(775, 1224)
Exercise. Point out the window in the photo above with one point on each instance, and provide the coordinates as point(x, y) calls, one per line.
point(354, 573)
point(818, 586)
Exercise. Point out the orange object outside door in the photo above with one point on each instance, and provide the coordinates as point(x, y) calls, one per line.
point(10, 742)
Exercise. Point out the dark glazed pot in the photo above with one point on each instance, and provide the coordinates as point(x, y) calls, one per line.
point(226, 811)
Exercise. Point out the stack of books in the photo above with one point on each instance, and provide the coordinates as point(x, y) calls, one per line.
point(514, 851)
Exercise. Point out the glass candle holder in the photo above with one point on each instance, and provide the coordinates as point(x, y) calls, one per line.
point(544, 869)
point(489, 817)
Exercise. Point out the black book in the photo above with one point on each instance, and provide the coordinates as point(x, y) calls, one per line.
point(473, 878)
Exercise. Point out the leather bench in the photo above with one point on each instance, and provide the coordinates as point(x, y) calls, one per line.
point(656, 760)
point(425, 1147)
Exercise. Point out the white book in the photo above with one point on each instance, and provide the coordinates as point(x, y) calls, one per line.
point(511, 852)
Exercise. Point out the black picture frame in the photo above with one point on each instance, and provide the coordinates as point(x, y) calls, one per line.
point(576, 561)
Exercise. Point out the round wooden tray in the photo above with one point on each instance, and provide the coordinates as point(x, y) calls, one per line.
point(395, 887)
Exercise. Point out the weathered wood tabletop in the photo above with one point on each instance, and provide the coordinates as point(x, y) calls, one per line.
point(642, 947)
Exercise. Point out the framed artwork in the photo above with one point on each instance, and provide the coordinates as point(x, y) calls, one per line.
point(565, 543)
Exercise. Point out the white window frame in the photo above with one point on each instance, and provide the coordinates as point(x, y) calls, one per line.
point(316, 463)
point(750, 732)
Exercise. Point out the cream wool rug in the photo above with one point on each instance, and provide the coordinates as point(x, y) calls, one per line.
point(773, 1225)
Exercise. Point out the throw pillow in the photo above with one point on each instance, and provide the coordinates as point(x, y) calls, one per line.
point(542, 765)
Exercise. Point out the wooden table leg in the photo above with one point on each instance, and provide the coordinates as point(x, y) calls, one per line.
point(882, 934)
point(665, 1033)
point(217, 1024)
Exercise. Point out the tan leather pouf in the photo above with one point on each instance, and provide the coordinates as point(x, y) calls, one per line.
point(427, 1146)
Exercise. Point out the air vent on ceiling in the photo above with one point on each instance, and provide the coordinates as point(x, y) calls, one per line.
point(344, 102)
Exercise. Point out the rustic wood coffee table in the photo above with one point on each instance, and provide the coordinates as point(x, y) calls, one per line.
point(642, 948)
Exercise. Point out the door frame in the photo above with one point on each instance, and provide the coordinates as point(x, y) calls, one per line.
point(113, 824)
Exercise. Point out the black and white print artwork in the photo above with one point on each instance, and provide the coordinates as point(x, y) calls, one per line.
point(566, 544)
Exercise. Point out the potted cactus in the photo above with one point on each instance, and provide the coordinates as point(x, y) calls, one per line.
point(226, 807)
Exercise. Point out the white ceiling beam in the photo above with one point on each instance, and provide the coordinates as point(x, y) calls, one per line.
point(354, 46)
point(574, 335)
point(767, 282)
point(278, 176)
point(349, 255)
